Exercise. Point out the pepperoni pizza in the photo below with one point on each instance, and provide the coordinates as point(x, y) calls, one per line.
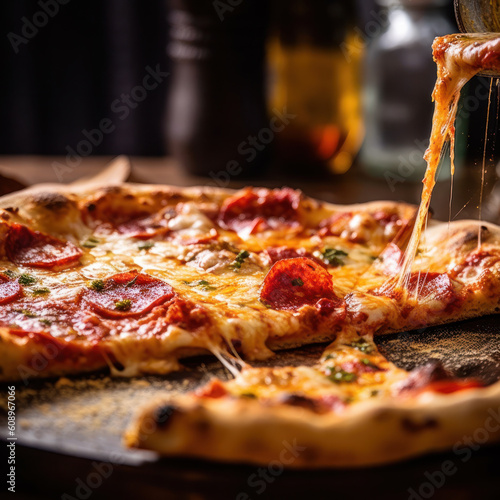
point(134, 278)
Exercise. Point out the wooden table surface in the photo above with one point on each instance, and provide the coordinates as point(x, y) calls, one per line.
point(43, 474)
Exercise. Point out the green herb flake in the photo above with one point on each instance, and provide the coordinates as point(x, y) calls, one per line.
point(330, 356)
point(132, 282)
point(368, 363)
point(41, 291)
point(248, 395)
point(25, 312)
point(265, 304)
point(204, 284)
point(97, 285)
point(45, 321)
point(26, 279)
point(240, 259)
point(333, 256)
point(123, 305)
point(340, 376)
point(91, 242)
point(9, 274)
point(297, 282)
point(362, 345)
point(146, 245)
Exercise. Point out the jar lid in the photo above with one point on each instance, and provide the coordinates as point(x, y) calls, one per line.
point(413, 3)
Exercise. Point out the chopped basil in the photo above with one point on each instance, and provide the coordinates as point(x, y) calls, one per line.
point(340, 376)
point(333, 256)
point(26, 279)
point(368, 363)
point(240, 258)
point(97, 285)
point(146, 245)
point(132, 281)
point(25, 312)
point(362, 345)
point(248, 395)
point(9, 274)
point(123, 305)
point(265, 304)
point(91, 242)
point(332, 355)
point(41, 291)
point(45, 321)
point(204, 284)
point(297, 282)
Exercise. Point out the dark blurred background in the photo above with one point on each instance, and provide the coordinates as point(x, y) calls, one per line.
point(67, 75)
point(65, 78)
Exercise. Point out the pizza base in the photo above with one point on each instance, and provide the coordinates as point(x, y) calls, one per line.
point(369, 433)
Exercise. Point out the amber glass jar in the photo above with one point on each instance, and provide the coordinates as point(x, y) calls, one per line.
point(314, 62)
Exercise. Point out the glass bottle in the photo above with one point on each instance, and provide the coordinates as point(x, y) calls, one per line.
point(216, 103)
point(315, 76)
point(399, 75)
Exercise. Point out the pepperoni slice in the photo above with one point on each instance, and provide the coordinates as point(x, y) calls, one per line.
point(292, 283)
point(127, 295)
point(214, 389)
point(335, 224)
point(143, 228)
point(251, 211)
point(437, 286)
point(279, 253)
point(454, 385)
point(34, 249)
point(9, 290)
point(391, 259)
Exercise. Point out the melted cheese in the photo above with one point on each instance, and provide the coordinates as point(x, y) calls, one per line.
point(458, 59)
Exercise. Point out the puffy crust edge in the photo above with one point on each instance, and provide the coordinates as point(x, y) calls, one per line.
point(369, 433)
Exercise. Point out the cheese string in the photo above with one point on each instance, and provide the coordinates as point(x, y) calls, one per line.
point(483, 166)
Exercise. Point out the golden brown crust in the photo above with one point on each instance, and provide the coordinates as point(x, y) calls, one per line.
point(369, 433)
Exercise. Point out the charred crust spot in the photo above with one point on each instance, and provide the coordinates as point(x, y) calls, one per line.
point(5, 216)
point(55, 202)
point(413, 427)
point(422, 376)
point(12, 210)
point(300, 401)
point(90, 207)
point(163, 414)
point(110, 190)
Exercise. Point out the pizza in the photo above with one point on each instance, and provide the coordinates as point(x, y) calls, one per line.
point(132, 279)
